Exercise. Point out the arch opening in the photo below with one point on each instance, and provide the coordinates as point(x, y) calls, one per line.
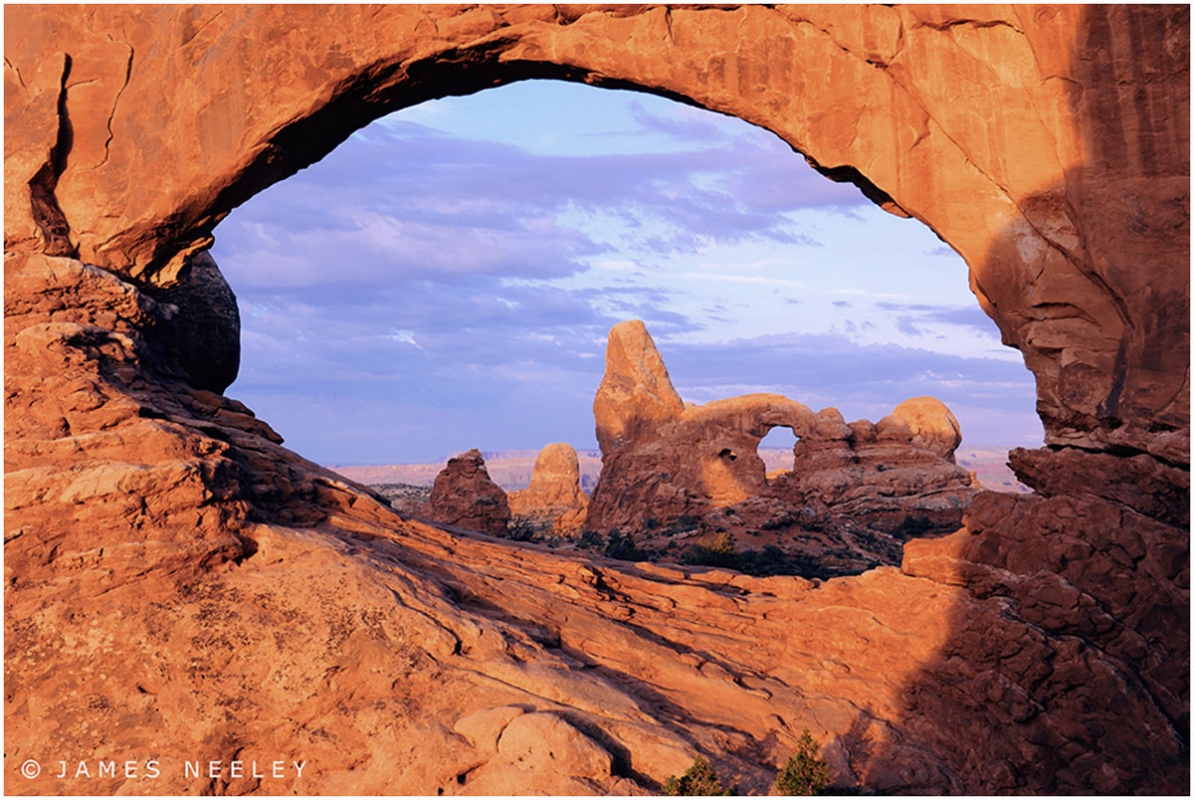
point(463, 299)
point(776, 450)
point(299, 301)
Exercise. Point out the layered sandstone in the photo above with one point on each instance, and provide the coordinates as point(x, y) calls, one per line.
point(663, 462)
point(883, 475)
point(554, 494)
point(464, 495)
point(179, 586)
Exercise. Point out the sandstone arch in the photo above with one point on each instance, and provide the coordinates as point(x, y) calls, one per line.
point(154, 527)
point(883, 96)
point(670, 465)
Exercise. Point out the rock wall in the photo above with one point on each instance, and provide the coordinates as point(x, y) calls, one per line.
point(179, 587)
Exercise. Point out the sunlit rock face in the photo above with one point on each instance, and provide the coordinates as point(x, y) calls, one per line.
point(666, 464)
point(181, 588)
point(554, 495)
point(882, 475)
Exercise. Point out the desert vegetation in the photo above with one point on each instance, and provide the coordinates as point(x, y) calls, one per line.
point(805, 772)
point(699, 780)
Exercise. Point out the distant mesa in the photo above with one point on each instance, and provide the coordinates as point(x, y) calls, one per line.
point(464, 495)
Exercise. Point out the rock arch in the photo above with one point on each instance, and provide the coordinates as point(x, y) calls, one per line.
point(160, 121)
point(664, 461)
point(153, 527)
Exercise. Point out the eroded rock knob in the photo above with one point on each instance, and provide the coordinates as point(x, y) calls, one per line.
point(933, 425)
point(465, 495)
point(554, 493)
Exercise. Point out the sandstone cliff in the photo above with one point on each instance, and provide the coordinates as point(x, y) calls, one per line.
point(178, 586)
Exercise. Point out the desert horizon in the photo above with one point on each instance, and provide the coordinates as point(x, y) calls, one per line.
point(511, 469)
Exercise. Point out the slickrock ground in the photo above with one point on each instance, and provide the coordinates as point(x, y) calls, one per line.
point(179, 587)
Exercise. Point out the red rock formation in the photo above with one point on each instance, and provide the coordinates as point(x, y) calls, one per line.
point(1045, 198)
point(662, 461)
point(883, 475)
point(932, 425)
point(463, 495)
point(180, 587)
point(554, 494)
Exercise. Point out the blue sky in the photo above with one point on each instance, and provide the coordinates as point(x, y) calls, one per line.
point(446, 278)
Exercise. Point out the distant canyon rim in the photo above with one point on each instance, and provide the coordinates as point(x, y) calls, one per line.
point(179, 586)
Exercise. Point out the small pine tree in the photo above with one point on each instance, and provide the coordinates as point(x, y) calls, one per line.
point(805, 773)
point(699, 780)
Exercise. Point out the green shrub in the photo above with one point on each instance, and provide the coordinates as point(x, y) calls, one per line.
point(805, 773)
point(525, 528)
point(769, 561)
point(591, 540)
point(723, 545)
point(699, 780)
point(721, 553)
point(622, 546)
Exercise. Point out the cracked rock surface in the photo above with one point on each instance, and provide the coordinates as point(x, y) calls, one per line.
point(179, 586)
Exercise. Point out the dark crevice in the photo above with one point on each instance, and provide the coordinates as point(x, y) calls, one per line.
point(848, 174)
point(128, 74)
point(46, 212)
point(949, 24)
point(1120, 451)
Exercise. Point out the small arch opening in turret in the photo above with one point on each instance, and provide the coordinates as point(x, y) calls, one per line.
point(776, 451)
